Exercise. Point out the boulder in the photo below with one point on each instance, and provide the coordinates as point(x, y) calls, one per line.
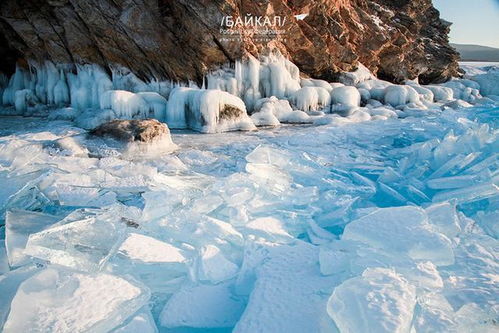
point(137, 139)
point(145, 130)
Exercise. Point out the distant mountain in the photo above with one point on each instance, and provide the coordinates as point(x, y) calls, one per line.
point(476, 52)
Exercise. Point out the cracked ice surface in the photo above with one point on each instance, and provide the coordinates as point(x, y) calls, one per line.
point(381, 226)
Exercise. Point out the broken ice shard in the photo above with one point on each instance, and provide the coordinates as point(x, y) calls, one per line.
point(213, 266)
point(85, 244)
point(142, 322)
point(403, 230)
point(62, 301)
point(469, 194)
point(157, 264)
point(20, 224)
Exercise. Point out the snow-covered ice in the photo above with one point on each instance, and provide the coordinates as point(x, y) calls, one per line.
point(142, 322)
point(203, 306)
point(284, 281)
point(213, 266)
point(62, 301)
point(378, 301)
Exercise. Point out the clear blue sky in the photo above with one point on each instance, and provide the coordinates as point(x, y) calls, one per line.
point(475, 21)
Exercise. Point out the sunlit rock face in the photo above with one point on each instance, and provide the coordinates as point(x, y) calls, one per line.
point(182, 40)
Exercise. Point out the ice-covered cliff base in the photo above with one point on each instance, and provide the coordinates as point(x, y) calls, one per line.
point(270, 90)
point(349, 226)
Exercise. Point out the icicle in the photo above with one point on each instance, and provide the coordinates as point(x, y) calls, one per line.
point(157, 104)
point(24, 98)
point(61, 90)
point(16, 83)
point(51, 81)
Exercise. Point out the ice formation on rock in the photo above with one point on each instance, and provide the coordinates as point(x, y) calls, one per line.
point(272, 112)
point(177, 102)
point(311, 98)
point(347, 96)
point(139, 139)
point(17, 82)
point(441, 93)
point(61, 91)
point(400, 95)
point(265, 116)
point(425, 94)
point(252, 79)
point(87, 87)
point(23, 99)
point(125, 104)
point(157, 104)
point(91, 119)
point(207, 111)
point(361, 74)
point(98, 97)
point(67, 113)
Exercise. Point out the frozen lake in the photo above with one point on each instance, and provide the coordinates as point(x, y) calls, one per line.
point(380, 215)
point(244, 230)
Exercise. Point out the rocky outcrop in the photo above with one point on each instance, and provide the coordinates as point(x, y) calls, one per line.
point(135, 139)
point(183, 39)
point(146, 130)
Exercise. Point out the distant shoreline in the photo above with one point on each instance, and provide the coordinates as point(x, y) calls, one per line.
point(472, 62)
point(477, 53)
point(481, 61)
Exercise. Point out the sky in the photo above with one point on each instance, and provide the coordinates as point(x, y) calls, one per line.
point(475, 21)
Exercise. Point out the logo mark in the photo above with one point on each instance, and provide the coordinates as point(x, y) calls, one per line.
point(300, 17)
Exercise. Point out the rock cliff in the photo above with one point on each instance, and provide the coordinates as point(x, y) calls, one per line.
point(183, 39)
